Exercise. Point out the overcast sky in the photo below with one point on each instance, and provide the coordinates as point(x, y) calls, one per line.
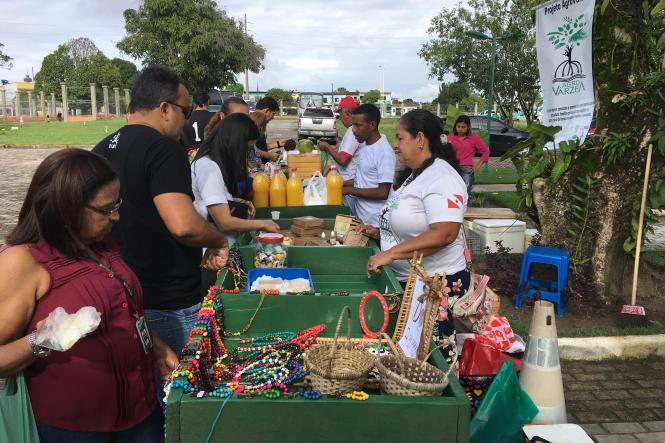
point(309, 45)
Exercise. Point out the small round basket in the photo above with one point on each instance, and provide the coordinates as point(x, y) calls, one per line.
point(410, 377)
point(334, 368)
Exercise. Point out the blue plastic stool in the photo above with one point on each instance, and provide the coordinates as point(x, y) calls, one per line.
point(554, 290)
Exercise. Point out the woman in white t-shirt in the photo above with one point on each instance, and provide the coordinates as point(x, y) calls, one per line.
point(424, 211)
point(218, 169)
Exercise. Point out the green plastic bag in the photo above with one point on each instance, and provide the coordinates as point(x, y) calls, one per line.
point(504, 410)
point(16, 420)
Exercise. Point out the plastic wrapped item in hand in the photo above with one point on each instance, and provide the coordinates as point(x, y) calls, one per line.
point(61, 330)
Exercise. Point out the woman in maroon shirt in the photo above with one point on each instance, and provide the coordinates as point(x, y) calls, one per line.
point(60, 255)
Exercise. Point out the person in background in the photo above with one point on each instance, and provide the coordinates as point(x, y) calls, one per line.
point(346, 156)
point(199, 118)
point(230, 106)
point(218, 169)
point(424, 213)
point(375, 167)
point(466, 144)
point(60, 254)
point(254, 158)
point(160, 232)
point(268, 151)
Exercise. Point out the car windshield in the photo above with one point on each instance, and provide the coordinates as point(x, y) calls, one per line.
point(318, 112)
point(310, 100)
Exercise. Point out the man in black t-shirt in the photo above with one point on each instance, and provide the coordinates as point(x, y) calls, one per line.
point(159, 231)
point(199, 118)
point(268, 151)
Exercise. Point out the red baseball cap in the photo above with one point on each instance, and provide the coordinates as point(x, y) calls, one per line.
point(347, 102)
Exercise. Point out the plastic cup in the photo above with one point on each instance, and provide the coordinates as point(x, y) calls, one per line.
point(275, 215)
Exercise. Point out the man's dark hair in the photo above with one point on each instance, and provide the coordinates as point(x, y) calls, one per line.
point(154, 85)
point(53, 209)
point(201, 98)
point(268, 103)
point(232, 100)
point(371, 113)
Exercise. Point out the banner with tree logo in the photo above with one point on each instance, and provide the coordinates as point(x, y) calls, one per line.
point(563, 45)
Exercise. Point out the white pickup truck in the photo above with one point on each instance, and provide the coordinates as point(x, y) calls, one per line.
point(318, 123)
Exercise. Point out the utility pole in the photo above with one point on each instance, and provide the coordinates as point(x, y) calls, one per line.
point(246, 69)
point(332, 91)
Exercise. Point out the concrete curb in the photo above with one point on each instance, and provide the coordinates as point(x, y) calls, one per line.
point(602, 348)
point(46, 146)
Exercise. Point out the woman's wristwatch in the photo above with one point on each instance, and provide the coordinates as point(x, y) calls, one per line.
point(37, 350)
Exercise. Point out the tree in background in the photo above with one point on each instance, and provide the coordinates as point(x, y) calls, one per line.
point(473, 99)
point(452, 93)
point(128, 72)
point(78, 62)
point(194, 38)
point(342, 90)
point(588, 196)
point(280, 94)
point(453, 52)
point(236, 87)
point(371, 96)
point(5, 60)
point(57, 67)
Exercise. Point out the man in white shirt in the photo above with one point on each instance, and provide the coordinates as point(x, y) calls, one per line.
point(375, 165)
point(346, 155)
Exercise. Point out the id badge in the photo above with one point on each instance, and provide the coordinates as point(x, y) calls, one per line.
point(144, 334)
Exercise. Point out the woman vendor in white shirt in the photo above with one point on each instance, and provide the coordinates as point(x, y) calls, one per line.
point(424, 211)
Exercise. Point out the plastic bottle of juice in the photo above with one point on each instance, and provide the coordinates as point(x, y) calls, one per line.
point(280, 174)
point(261, 186)
point(294, 191)
point(277, 189)
point(334, 184)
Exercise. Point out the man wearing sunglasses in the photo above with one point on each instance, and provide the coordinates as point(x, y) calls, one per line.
point(160, 233)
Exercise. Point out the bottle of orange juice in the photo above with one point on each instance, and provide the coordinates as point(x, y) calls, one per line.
point(261, 186)
point(334, 185)
point(294, 191)
point(278, 189)
point(280, 174)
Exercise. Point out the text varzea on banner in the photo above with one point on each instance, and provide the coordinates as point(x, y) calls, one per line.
point(563, 45)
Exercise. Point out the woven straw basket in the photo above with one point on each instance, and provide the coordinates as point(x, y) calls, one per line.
point(334, 368)
point(410, 377)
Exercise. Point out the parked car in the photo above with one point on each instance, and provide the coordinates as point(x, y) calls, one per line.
point(502, 136)
point(217, 97)
point(318, 123)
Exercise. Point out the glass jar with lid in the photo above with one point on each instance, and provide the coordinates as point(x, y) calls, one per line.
point(270, 251)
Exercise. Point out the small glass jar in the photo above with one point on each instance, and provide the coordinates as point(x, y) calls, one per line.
point(270, 251)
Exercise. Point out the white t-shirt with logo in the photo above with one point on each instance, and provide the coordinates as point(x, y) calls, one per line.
point(348, 147)
point(375, 165)
point(209, 189)
point(438, 194)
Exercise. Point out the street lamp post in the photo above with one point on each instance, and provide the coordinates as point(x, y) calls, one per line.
point(381, 93)
point(490, 99)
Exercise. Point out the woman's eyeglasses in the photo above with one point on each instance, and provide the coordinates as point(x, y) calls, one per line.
point(107, 211)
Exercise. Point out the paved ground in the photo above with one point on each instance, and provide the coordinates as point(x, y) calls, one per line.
point(617, 401)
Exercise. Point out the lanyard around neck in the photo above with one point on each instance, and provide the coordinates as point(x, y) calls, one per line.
point(128, 290)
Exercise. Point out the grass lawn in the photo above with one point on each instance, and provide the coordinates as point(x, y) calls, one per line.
point(500, 199)
point(492, 176)
point(60, 133)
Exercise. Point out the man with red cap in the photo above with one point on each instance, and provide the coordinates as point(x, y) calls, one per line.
point(346, 155)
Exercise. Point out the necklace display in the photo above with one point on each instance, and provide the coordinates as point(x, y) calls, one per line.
point(260, 364)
